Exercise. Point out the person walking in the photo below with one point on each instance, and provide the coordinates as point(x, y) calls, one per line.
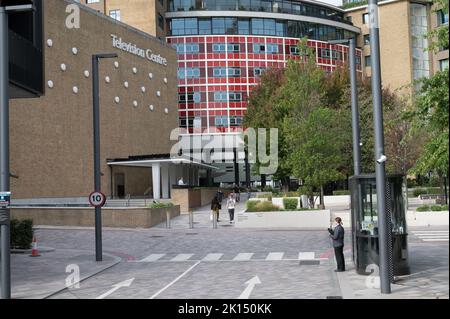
point(337, 235)
point(231, 204)
point(237, 192)
point(215, 207)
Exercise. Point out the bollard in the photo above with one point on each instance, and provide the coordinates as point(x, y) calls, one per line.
point(167, 219)
point(214, 219)
point(191, 219)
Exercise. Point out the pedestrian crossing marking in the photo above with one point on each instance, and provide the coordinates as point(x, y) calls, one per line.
point(306, 255)
point(432, 235)
point(243, 256)
point(275, 256)
point(152, 257)
point(271, 256)
point(182, 257)
point(212, 257)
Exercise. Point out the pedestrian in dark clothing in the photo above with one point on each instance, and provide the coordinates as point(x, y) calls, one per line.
point(215, 207)
point(337, 234)
point(237, 192)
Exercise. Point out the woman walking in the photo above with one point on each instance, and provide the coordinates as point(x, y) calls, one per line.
point(231, 204)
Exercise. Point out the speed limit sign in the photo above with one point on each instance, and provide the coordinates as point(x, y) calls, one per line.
point(97, 199)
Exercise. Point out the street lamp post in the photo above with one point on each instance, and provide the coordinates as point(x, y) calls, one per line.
point(5, 262)
point(355, 109)
point(97, 173)
point(380, 158)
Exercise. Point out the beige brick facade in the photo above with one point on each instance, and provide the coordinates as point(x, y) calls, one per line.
point(51, 136)
point(141, 14)
point(396, 49)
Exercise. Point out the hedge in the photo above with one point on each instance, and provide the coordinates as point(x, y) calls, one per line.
point(160, 205)
point(290, 203)
point(341, 192)
point(258, 206)
point(424, 191)
point(432, 208)
point(21, 233)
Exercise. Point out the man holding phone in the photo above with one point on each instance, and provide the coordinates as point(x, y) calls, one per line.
point(337, 235)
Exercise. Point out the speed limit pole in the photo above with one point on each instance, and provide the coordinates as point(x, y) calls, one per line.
point(97, 172)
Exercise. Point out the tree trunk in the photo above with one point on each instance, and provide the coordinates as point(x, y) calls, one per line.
point(263, 182)
point(322, 204)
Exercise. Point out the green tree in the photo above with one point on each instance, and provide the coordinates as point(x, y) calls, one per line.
point(315, 145)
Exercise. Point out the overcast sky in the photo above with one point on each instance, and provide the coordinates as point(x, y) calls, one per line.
point(334, 2)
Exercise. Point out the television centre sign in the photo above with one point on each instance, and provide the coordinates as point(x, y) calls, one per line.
point(135, 50)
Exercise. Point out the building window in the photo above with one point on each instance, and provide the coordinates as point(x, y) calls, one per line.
point(366, 39)
point(365, 18)
point(221, 121)
point(442, 17)
point(220, 72)
point(272, 48)
point(186, 48)
point(443, 64)
point(367, 61)
point(160, 21)
point(221, 47)
point(189, 97)
point(257, 72)
point(293, 50)
point(259, 48)
point(115, 14)
point(92, 1)
point(220, 96)
point(235, 96)
point(188, 73)
point(235, 121)
point(204, 26)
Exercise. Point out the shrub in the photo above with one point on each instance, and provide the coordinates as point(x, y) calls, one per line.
point(291, 194)
point(269, 196)
point(258, 206)
point(424, 208)
point(341, 192)
point(160, 205)
point(444, 207)
point(290, 203)
point(251, 204)
point(433, 190)
point(419, 191)
point(21, 233)
point(436, 208)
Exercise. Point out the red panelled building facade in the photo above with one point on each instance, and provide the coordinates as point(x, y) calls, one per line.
point(223, 48)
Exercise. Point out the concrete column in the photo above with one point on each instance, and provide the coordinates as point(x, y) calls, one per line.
point(156, 180)
point(173, 178)
point(165, 180)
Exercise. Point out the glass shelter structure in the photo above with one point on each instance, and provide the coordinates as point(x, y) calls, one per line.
point(365, 223)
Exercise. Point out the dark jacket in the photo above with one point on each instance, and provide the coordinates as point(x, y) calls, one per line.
point(338, 236)
point(215, 205)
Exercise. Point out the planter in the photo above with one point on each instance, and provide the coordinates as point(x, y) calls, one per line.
point(414, 218)
point(314, 219)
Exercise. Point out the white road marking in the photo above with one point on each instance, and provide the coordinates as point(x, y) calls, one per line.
point(310, 255)
point(175, 280)
point(212, 257)
point(243, 256)
point(182, 257)
point(250, 286)
point(432, 235)
point(436, 239)
point(275, 256)
point(152, 257)
point(126, 283)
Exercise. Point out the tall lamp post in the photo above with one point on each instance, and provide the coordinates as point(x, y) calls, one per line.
point(5, 263)
point(97, 173)
point(355, 109)
point(380, 158)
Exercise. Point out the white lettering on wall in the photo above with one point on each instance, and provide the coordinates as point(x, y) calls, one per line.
point(135, 50)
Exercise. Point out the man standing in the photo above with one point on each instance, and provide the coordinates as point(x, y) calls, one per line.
point(338, 243)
